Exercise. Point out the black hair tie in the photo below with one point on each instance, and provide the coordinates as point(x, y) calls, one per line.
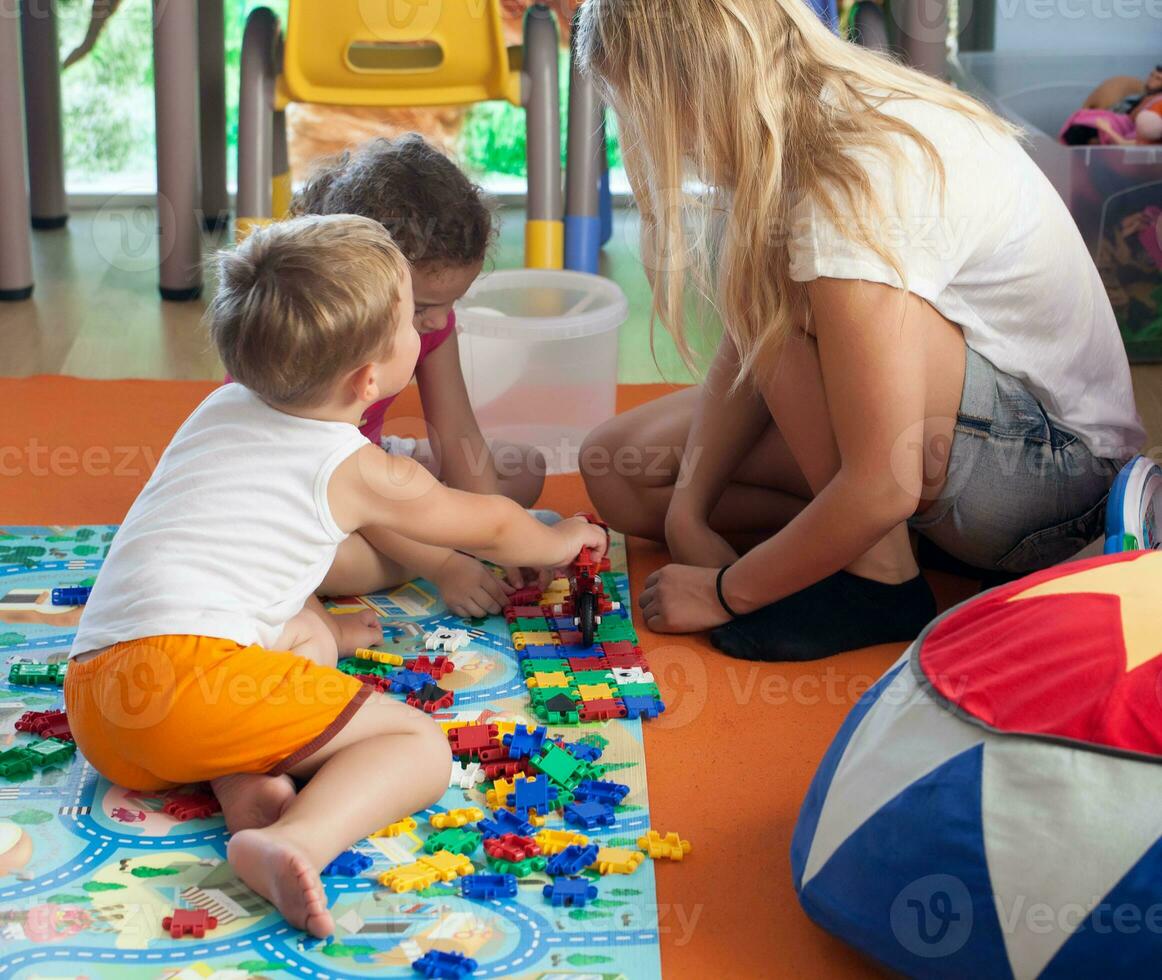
point(718, 588)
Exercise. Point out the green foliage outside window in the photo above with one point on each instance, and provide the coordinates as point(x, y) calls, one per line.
point(109, 115)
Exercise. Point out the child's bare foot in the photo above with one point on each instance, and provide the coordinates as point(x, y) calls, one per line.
point(357, 630)
point(252, 799)
point(282, 874)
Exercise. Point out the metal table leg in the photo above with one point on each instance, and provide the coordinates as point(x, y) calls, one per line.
point(256, 122)
point(583, 173)
point(42, 114)
point(540, 93)
point(212, 85)
point(175, 73)
point(923, 35)
point(15, 253)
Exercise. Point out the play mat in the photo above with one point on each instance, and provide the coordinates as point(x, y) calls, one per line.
point(88, 870)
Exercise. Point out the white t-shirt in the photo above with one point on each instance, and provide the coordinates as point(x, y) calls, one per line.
point(1004, 260)
point(232, 533)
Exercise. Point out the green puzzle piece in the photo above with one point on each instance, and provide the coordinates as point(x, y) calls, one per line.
point(454, 839)
point(543, 666)
point(556, 763)
point(521, 869)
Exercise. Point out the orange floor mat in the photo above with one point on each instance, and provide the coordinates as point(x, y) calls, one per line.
point(729, 762)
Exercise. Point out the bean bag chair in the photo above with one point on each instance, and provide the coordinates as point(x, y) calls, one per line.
point(992, 807)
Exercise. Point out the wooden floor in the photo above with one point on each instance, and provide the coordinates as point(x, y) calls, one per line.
point(95, 312)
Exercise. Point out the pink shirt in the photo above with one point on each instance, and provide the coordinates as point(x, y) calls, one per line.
point(371, 424)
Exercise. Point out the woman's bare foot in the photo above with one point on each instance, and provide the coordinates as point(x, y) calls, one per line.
point(252, 800)
point(357, 630)
point(282, 874)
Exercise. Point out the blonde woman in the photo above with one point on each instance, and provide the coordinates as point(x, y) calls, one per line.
point(915, 335)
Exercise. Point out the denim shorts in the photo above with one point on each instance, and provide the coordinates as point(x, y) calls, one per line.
point(1022, 493)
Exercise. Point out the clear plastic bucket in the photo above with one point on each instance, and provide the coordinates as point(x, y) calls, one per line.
point(539, 353)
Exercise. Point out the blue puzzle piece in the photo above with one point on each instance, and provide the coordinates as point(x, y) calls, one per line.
point(570, 892)
point(486, 886)
point(349, 864)
point(444, 965)
point(642, 707)
point(71, 595)
point(503, 822)
point(409, 681)
point(532, 794)
point(583, 751)
point(589, 815)
point(540, 651)
point(573, 859)
point(600, 791)
point(525, 741)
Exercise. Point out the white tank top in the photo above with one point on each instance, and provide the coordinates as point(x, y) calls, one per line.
point(999, 255)
point(232, 533)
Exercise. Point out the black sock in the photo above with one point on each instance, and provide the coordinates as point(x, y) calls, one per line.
point(843, 612)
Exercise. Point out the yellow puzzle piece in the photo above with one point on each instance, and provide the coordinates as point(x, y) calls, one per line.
point(534, 638)
point(670, 846)
point(555, 841)
point(617, 861)
point(456, 818)
point(404, 826)
point(555, 679)
point(497, 797)
point(408, 877)
point(379, 657)
point(441, 866)
point(448, 866)
point(595, 692)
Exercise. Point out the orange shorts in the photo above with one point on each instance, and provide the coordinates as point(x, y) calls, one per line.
point(159, 712)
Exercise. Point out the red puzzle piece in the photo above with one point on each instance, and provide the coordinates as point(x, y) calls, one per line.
point(588, 663)
point(437, 667)
point(510, 847)
point(46, 724)
point(530, 595)
point(506, 768)
point(494, 753)
point(191, 806)
point(470, 740)
point(379, 683)
point(189, 922)
point(601, 710)
point(626, 660)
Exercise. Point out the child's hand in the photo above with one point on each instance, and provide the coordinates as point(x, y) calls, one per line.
point(469, 588)
point(576, 533)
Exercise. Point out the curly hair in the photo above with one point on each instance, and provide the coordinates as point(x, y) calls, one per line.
point(435, 214)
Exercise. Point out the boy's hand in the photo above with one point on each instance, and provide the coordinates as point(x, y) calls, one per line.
point(576, 533)
point(469, 588)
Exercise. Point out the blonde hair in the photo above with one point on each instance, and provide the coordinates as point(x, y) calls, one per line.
point(301, 301)
point(731, 92)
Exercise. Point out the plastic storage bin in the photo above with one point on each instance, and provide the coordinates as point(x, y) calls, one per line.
point(539, 353)
point(1110, 190)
